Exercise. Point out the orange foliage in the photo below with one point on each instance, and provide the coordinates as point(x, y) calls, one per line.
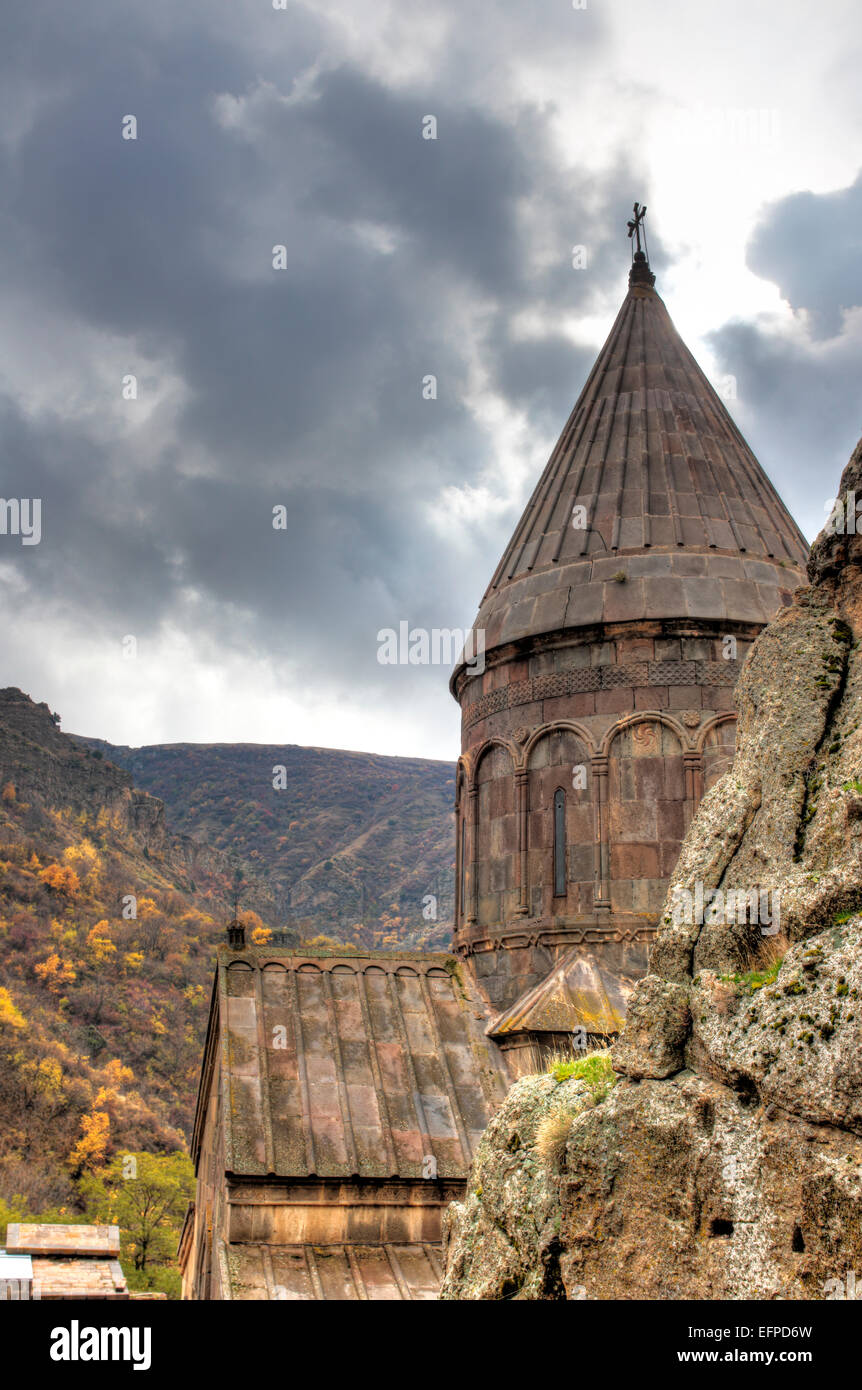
point(55, 973)
point(117, 1073)
point(100, 943)
point(62, 880)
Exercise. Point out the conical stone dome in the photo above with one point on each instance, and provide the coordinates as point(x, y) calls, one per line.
point(650, 479)
point(653, 551)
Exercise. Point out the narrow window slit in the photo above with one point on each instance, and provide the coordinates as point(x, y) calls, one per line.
point(559, 843)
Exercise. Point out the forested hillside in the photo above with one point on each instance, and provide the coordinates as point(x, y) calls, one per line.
point(110, 910)
point(350, 845)
point(107, 929)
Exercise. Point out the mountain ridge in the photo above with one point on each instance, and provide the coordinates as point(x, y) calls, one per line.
point(352, 844)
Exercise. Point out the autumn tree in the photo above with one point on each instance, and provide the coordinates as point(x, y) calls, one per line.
point(9, 1013)
point(256, 932)
point(99, 943)
point(84, 859)
point(328, 943)
point(55, 973)
point(61, 879)
point(91, 1149)
point(146, 1195)
point(152, 928)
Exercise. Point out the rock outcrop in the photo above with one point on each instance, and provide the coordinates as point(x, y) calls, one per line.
point(503, 1240)
point(52, 772)
point(727, 1161)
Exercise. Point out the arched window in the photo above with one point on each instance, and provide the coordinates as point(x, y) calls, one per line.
point(559, 843)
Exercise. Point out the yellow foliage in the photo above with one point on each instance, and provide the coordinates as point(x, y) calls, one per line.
point(9, 1013)
point(146, 907)
point(54, 973)
point(157, 1023)
point(117, 1073)
point(91, 1148)
point(9, 792)
point(84, 859)
point(63, 933)
point(197, 920)
point(133, 960)
point(99, 942)
point(261, 935)
point(49, 1077)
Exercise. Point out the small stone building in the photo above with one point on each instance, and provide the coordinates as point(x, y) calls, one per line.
point(341, 1102)
point(342, 1097)
point(63, 1262)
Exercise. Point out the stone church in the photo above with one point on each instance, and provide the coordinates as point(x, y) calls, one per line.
point(342, 1097)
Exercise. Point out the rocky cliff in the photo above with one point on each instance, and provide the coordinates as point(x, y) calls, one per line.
point(53, 772)
point(727, 1160)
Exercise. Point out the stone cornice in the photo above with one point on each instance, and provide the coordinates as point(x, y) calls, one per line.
point(582, 679)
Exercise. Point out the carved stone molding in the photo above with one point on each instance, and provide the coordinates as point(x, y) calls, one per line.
point(594, 934)
point(591, 678)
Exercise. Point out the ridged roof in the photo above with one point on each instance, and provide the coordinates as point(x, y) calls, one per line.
point(674, 498)
point(336, 1273)
point(342, 1066)
point(579, 992)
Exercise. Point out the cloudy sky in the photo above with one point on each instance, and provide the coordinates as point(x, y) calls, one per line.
point(739, 125)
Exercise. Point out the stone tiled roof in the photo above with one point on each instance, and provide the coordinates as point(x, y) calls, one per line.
point(674, 499)
point(342, 1066)
point(45, 1238)
point(333, 1272)
point(578, 992)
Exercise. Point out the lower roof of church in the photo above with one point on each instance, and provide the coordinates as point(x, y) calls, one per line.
point(338, 1066)
point(351, 1272)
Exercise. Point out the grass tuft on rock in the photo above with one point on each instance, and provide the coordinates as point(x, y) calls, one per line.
point(764, 965)
point(552, 1136)
point(594, 1069)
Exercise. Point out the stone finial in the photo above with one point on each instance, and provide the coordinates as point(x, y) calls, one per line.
point(236, 934)
point(640, 273)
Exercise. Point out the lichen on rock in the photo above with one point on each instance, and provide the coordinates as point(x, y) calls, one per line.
point(727, 1162)
point(503, 1240)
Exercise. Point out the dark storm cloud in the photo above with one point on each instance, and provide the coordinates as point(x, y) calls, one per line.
point(301, 387)
point(810, 245)
point(800, 393)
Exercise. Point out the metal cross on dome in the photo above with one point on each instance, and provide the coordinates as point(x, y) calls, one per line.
point(634, 224)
